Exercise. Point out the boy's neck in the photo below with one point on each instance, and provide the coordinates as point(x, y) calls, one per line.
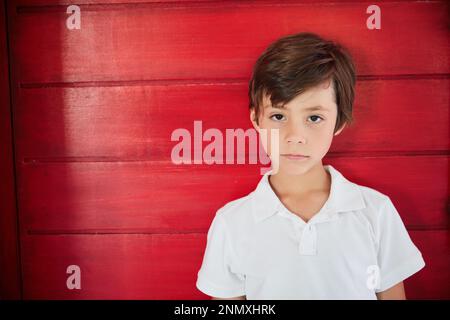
point(316, 179)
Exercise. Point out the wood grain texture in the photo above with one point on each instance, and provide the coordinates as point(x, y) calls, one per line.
point(130, 196)
point(128, 3)
point(136, 122)
point(165, 266)
point(207, 41)
point(124, 266)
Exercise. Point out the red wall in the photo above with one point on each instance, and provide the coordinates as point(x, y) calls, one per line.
point(9, 247)
point(93, 110)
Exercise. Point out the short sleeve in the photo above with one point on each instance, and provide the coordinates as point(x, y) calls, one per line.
point(398, 257)
point(218, 276)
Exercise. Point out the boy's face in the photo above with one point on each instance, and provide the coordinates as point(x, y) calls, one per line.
point(301, 131)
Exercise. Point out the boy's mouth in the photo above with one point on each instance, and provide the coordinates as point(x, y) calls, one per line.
point(292, 156)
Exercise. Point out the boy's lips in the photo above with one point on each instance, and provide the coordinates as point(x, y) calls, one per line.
point(292, 156)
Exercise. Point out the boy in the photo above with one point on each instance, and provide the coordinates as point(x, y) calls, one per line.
point(306, 232)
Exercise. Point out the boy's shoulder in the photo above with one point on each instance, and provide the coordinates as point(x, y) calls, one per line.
point(375, 203)
point(372, 196)
point(346, 190)
point(237, 209)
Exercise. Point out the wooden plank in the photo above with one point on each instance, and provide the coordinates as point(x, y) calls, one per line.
point(10, 286)
point(160, 197)
point(165, 266)
point(136, 122)
point(120, 43)
point(126, 122)
point(38, 3)
point(128, 196)
point(113, 266)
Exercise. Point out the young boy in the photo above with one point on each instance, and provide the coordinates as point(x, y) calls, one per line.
point(306, 232)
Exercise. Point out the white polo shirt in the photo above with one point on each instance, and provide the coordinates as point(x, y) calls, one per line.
point(355, 246)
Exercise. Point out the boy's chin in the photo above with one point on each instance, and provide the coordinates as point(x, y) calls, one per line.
point(293, 168)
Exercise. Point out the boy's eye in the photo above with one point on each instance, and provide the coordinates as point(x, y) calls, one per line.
point(280, 117)
point(277, 117)
point(315, 119)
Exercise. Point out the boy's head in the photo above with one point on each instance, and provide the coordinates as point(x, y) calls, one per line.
point(295, 73)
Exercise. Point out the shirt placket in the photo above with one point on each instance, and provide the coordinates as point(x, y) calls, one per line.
point(308, 240)
point(306, 232)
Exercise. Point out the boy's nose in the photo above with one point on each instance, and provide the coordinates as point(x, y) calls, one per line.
point(296, 140)
point(295, 134)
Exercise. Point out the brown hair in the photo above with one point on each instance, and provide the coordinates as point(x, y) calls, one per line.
point(298, 62)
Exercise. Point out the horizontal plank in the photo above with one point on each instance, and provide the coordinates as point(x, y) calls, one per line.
point(147, 42)
point(128, 197)
point(169, 2)
point(38, 3)
point(166, 266)
point(161, 197)
point(136, 122)
point(112, 266)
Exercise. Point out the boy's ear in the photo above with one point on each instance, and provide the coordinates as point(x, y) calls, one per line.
point(340, 130)
point(253, 119)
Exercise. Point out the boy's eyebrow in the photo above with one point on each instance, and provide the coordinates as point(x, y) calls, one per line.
point(313, 108)
point(316, 108)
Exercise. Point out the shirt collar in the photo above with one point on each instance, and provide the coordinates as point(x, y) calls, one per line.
point(344, 196)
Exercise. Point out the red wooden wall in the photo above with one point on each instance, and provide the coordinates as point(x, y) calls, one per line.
point(9, 255)
point(93, 111)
